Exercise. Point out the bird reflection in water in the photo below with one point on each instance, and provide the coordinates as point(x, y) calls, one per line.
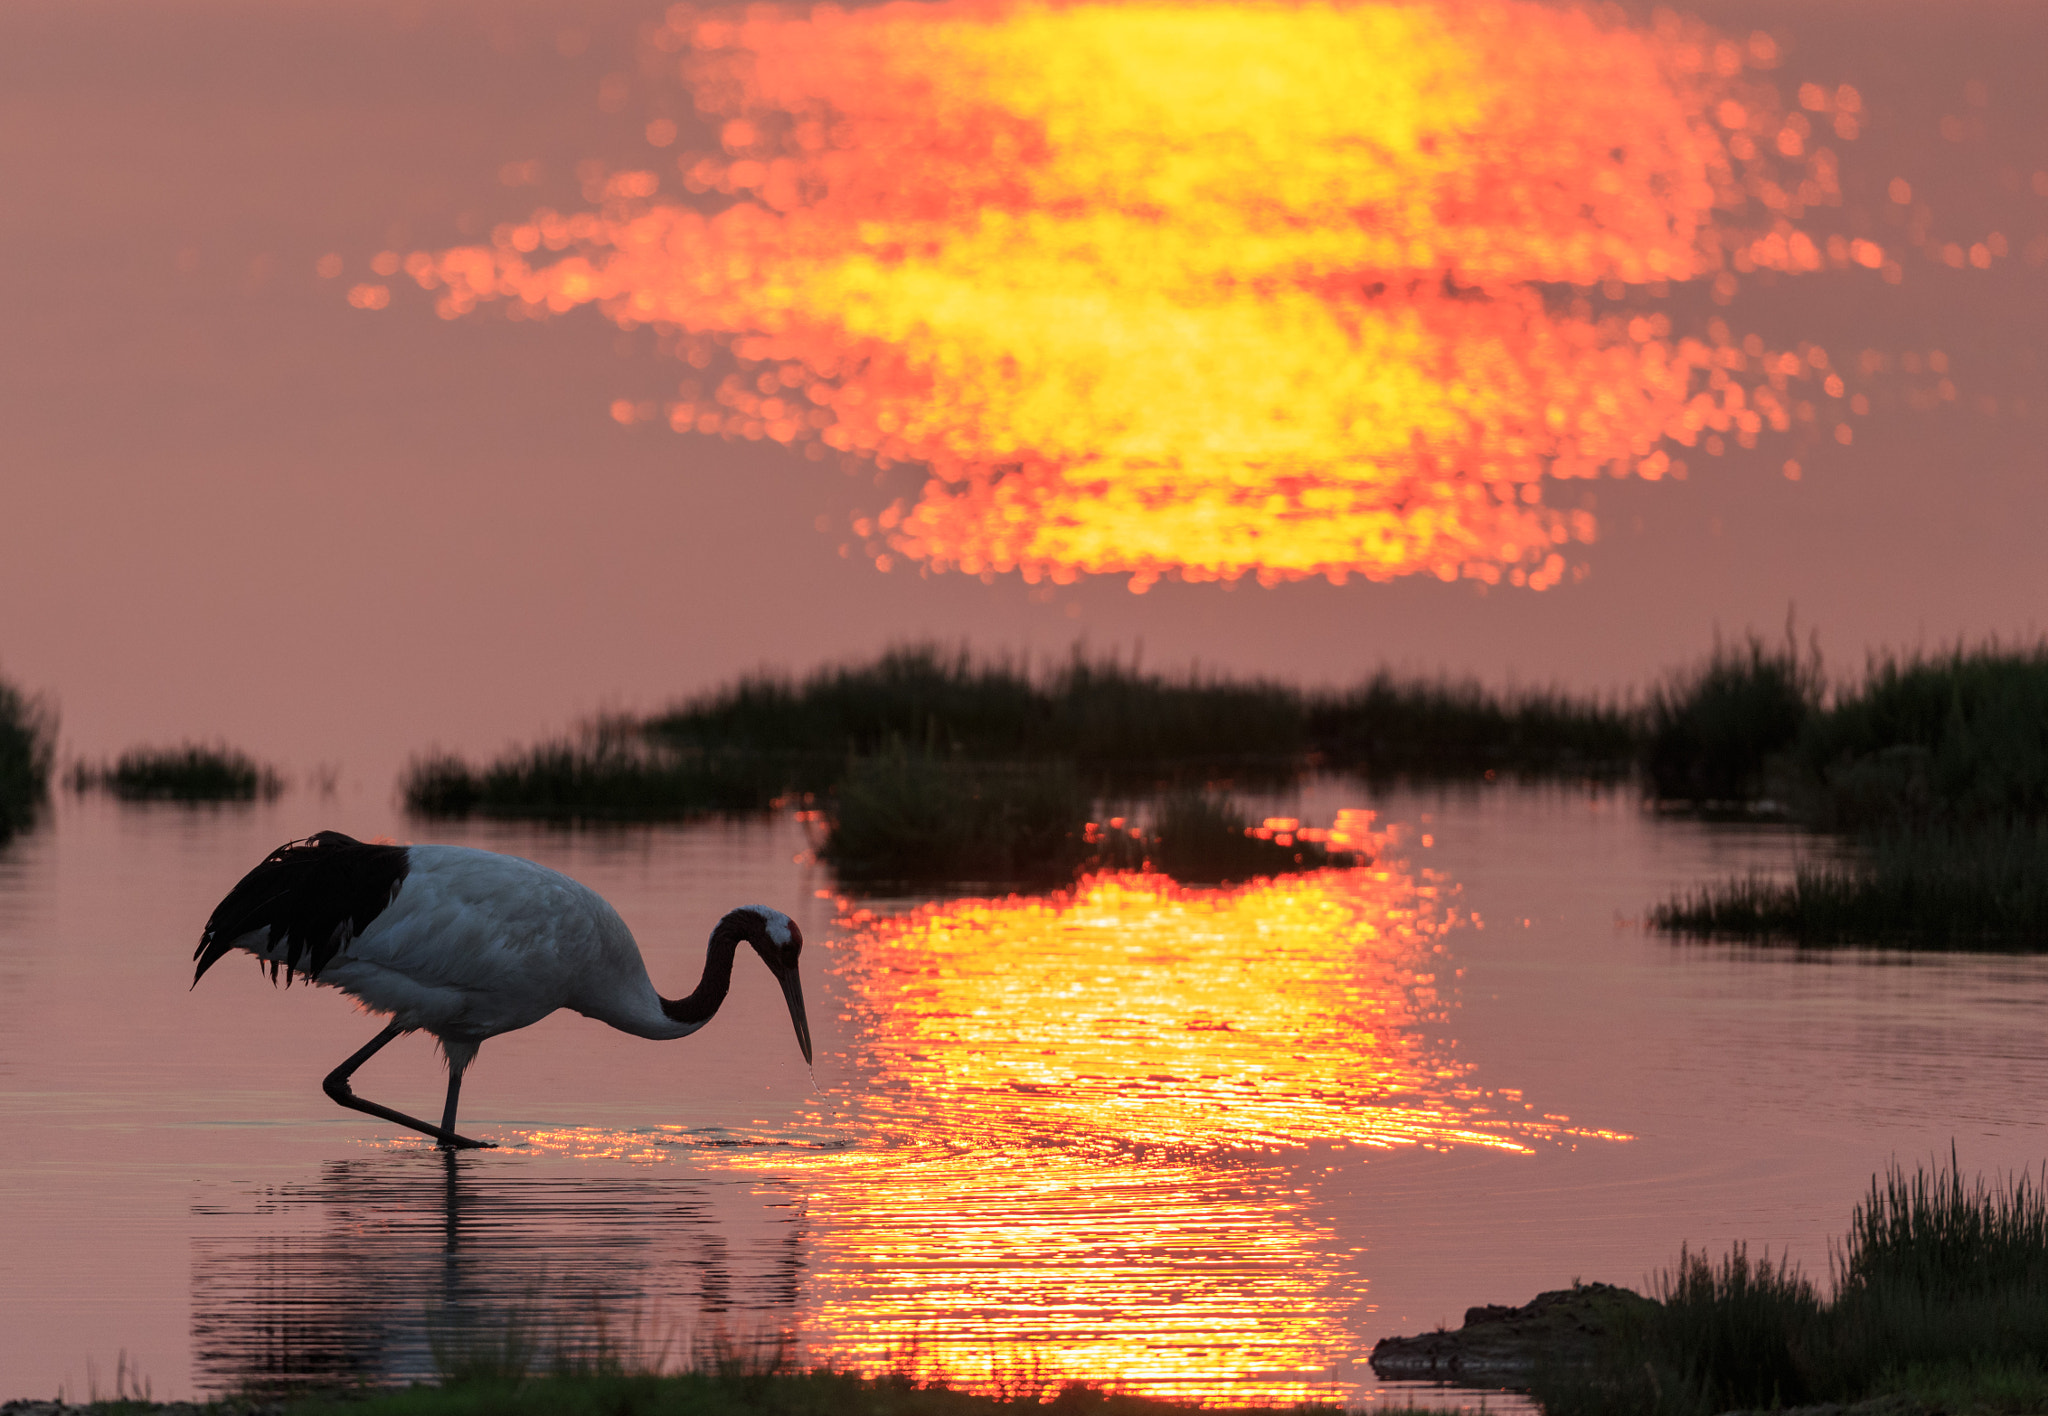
point(362, 1272)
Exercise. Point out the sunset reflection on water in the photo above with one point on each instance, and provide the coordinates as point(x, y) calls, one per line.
point(1073, 1131)
point(1207, 290)
point(1132, 1012)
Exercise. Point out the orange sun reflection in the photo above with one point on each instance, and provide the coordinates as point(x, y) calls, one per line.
point(1207, 290)
point(1073, 1138)
point(1133, 1012)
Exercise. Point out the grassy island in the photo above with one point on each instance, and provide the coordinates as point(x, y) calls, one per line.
point(934, 765)
point(189, 772)
point(1933, 769)
point(28, 741)
point(1936, 1305)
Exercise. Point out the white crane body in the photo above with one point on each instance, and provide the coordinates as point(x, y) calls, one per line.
point(466, 944)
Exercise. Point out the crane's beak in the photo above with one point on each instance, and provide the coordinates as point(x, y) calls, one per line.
point(793, 991)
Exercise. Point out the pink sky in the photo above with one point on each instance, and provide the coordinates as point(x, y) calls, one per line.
point(232, 506)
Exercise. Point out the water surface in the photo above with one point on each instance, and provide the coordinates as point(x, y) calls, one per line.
point(1211, 1143)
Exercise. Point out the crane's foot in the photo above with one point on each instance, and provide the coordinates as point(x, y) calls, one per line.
point(450, 1141)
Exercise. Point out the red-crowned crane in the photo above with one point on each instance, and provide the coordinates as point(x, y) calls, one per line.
point(467, 944)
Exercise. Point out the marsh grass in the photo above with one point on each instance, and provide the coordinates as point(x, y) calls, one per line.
point(1204, 838)
point(1095, 726)
point(1419, 727)
point(1115, 723)
point(1936, 768)
point(913, 818)
point(190, 772)
point(606, 772)
point(1981, 887)
point(1957, 737)
point(916, 818)
point(28, 740)
point(1712, 733)
point(521, 1364)
point(1099, 715)
point(1941, 1285)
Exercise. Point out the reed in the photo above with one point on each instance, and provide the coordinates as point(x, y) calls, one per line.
point(594, 1369)
point(1936, 769)
point(1982, 887)
point(28, 740)
point(607, 773)
point(189, 772)
point(813, 1392)
point(1099, 714)
point(1204, 838)
point(1099, 723)
point(914, 818)
point(1712, 733)
point(920, 819)
point(1114, 722)
point(1940, 1285)
point(1957, 736)
point(1444, 727)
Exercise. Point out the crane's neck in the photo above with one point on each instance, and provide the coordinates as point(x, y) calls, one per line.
point(692, 1012)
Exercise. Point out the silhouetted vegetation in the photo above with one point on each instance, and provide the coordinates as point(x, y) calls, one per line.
point(819, 1392)
point(1203, 838)
point(1114, 722)
point(1100, 724)
point(1980, 886)
point(517, 1368)
point(1445, 728)
point(189, 772)
point(1101, 716)
point(1941, 1286)
point(1710, 734)
point(1957, 737)
point(911, 818)
point(1937, 768)
point(919, 819)
point(28, 740)
point(610, 772)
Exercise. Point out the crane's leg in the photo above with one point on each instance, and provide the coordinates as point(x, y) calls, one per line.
point(336, 1086)
point(454, 1092)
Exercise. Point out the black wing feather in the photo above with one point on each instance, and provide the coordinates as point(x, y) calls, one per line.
point(313, 896)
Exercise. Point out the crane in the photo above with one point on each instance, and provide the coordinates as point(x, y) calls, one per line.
point(466, 944)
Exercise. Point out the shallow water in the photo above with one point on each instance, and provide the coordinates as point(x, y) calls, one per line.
point(1209, 1143)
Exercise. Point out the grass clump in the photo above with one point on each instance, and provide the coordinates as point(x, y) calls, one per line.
point(1201, 838)
point(919, 819)
point(1417, 727)
point(1924, 887)
point(1956, 737)
point(1711, 734)
point(818, 1392)
point(1104, 724)
point(1941, 1286)
point(518, 1369)
point(1113, 722)
point(1936, 768)
point(28, 740)
point(609, 772)
point(1100, 715)
point(190, 772)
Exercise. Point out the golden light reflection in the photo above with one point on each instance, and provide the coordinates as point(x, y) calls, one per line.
point(1133, 1012)
point(1078, 1132)
point(1115, 1088)
point(1207, 290)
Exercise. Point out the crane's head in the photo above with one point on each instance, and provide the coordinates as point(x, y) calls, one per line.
point(778, 941)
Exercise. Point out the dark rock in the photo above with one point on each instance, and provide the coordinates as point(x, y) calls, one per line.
point(1503, 1346)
